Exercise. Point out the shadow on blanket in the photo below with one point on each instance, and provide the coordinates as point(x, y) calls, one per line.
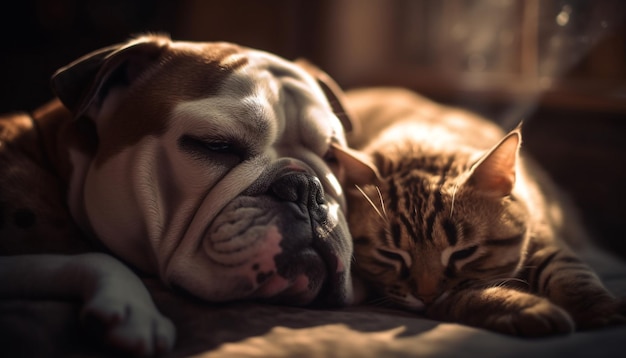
point(48, 329)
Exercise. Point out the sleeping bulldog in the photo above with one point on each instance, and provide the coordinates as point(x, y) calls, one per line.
point(209, 165)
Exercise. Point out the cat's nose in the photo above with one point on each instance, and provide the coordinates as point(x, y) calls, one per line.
point(428, 288)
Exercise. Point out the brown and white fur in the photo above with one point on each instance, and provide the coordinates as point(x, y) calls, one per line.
point(454, 221)
point(208, 165)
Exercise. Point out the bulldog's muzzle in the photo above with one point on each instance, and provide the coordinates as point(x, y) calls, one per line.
point(281, 239)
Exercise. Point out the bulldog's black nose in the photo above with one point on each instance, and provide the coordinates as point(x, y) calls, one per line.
point(298, 187)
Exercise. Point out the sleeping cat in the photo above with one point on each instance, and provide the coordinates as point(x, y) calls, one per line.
point(454, 221)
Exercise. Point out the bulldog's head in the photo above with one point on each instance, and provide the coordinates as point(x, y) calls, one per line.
point(213, 166)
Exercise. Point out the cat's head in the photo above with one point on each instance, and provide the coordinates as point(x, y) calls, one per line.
point(429, 224)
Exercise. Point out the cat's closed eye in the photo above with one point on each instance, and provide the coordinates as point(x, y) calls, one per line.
point(400, 259)
point(391, 255)
point(463, 253)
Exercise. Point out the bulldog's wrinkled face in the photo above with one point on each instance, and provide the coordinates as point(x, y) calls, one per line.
point(214, 169)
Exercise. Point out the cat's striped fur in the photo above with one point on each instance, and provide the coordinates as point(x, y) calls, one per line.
point(460, 225)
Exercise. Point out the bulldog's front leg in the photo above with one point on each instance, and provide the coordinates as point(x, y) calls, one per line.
point(113, 295)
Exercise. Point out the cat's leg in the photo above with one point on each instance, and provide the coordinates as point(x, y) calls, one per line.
point(114, 297)
point(566, 280)
point(503, 310)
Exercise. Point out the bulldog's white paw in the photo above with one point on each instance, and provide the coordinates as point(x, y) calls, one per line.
point(129, 324)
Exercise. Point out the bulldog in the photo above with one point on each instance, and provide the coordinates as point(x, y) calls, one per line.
point(212, 166)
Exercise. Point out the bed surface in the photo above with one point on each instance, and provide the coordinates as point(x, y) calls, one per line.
point(48, 329)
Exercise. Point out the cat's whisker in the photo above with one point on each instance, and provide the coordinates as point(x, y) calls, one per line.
point(369, 200)
point(382, 203)
point(529, 267)
point(455, 188)
point(376, 301)
point(380, 301)
point(503, 281)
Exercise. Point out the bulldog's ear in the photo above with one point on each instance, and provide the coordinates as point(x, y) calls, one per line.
point(84, 82)
point(357, 168)
point(333, 92)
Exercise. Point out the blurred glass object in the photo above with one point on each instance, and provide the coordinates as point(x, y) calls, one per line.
point(518, 49)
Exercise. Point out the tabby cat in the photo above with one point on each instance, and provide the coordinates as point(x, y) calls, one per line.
point(454, 221)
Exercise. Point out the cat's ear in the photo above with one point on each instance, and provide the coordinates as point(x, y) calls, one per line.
point(494, 173)
point(356, 167)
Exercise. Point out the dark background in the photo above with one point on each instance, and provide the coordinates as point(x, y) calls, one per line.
point(559, 65)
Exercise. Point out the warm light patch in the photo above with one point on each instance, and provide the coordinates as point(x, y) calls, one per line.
point(334, 183)
point(320, 341)
point(333, 209)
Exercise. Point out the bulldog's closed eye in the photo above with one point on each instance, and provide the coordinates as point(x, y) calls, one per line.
point(210, 148)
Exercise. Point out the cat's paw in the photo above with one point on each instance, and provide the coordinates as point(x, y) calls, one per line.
point(604, 312)
point(130, 325)
point(542, 318)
